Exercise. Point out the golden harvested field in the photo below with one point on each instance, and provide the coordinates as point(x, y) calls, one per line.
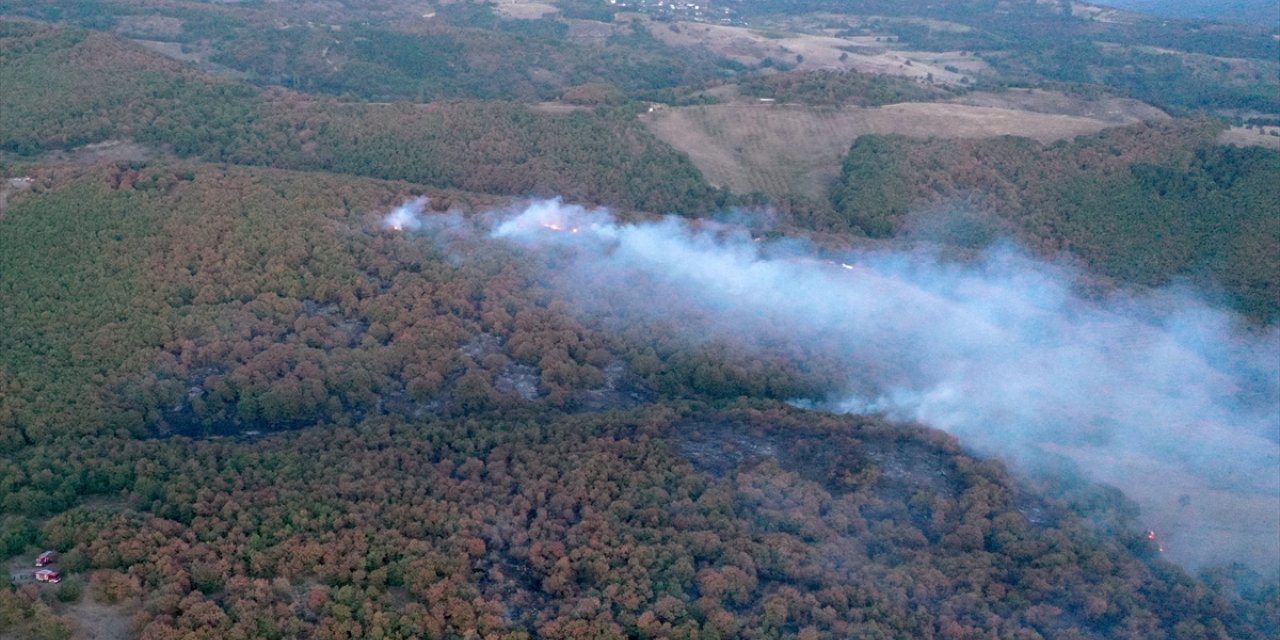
point(776, 149)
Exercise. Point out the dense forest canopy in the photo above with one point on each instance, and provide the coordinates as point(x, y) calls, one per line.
point(239, 405)
point(72, 88)
point(1143, 204)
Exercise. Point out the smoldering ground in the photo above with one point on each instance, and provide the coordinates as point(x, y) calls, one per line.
point(1159, 393)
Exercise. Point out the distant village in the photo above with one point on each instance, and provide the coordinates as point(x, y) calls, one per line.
point(701, 11)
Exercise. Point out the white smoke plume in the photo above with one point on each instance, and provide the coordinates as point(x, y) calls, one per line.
point(1160, 394)
point(406, 217)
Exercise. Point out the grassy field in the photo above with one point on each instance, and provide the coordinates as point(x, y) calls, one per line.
point(809, 52)
point(1259, 137)
point(1200, 525)
point(523, 9)
point(778, 149)
point(1107, 108)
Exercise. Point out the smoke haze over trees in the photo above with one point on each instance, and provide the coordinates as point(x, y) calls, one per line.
point(999, 351)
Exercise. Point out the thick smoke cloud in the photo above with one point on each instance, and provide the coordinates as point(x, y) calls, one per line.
point(1160, 394)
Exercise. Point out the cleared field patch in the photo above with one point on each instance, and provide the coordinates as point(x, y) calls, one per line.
point(953, 62)
point(777, 149)
point(1260, 137)
point(557, 107)
point(810, 52)
point(523, 9)
point(98, 621)
point(1108, 109)
point(198, 56)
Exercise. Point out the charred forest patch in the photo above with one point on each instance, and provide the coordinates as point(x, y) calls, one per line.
point(839, 461)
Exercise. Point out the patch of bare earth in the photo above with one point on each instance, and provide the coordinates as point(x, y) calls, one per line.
point(777, 149)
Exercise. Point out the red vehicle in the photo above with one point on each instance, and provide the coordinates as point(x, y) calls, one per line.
point(46, 558)
point(48, 575)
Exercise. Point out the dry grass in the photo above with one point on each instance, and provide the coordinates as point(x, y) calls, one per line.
point(778, 149)
point(808, 52)
point(1260, 137)
point(1199, 525)
point(589, 31)
point(523, 9)
point(199, 57)
point(154, 26)
point(557, 107)
point(97, 621)
point(1103, 14)
point(1107, 109)
point(102, 152)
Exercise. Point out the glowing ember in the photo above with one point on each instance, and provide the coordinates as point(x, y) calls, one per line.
point(555, 226)
point(1152, 537)
point(407, 216)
